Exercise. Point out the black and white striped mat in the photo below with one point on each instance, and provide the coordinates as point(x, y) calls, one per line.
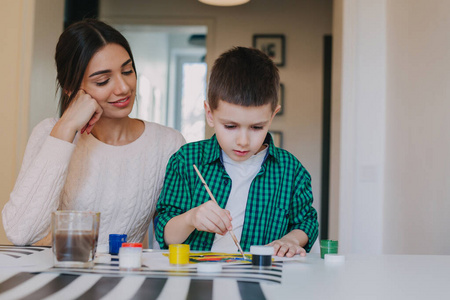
point(106, 281)
point(18, 252)
point(90, 286)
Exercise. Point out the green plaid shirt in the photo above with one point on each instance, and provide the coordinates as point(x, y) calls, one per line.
point(279, 198)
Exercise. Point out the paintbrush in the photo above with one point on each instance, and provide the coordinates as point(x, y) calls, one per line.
point(214, 199)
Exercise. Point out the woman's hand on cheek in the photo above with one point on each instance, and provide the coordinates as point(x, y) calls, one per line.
point(84, 111)
point(81, 115)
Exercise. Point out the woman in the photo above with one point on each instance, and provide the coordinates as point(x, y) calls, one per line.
point(94, 157)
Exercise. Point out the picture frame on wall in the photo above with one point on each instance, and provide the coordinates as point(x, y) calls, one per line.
point(277, 137)
point(271, 44)
point(281, 99)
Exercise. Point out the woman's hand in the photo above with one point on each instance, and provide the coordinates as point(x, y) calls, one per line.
point(211, 218)
point(81, 115)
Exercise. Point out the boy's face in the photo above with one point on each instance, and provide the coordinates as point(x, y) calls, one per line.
point(240, 130)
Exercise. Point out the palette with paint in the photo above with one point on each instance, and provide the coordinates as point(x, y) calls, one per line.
point(219, 257)
point(198, 257)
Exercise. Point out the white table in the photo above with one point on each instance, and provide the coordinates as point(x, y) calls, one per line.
point(359, 277)
point(367, 277)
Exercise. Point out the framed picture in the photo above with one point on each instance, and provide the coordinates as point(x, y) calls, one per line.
point(272, 45)
point(277, 137)
point(281, 99)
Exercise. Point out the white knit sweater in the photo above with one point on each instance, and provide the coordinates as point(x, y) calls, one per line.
point(121, 182)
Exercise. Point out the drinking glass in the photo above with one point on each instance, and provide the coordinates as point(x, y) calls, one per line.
point(74, 237)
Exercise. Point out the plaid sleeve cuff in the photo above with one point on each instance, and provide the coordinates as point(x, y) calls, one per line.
point(161, 223)
point(173, 198)
point(305, 215)
point(311, 228)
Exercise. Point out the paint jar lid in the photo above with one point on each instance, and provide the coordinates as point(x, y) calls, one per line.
point(134, 245)
point(209, 267)
point(261, 250)
point(102, 258)
point(334, 258)
point(328, 244)
point(130, 258)
point(118, 237)
point(179, 248)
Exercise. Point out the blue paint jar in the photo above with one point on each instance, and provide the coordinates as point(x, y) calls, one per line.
point(115, 242)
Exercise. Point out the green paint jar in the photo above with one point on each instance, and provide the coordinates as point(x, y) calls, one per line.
point(328, 247)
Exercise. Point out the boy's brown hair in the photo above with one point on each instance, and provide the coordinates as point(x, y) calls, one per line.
point(244, 76)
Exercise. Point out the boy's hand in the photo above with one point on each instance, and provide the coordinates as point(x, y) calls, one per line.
point(287, 247)
point(211, 218)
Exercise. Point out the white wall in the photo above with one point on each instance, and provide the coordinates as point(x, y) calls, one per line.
point(393, 179)
point(417, 198)
point(48, 25)
point(16, 35)
point(304, 23)
point(362, 126)
point(29, 33)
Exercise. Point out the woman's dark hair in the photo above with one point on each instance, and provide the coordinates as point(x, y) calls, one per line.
point(244, 76)
point(75, 48)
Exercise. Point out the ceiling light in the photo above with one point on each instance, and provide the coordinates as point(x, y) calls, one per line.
point(224, 2)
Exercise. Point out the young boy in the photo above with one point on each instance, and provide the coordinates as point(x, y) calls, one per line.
point(263, 193)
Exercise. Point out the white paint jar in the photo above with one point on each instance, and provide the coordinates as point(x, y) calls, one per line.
point(130, 257)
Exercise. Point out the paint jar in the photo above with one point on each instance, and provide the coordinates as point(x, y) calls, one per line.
point(130, 257)
point(179, 254)
point(261, 255)
point(328, 247)
point(334, 259)
point(115, 242)
point(209, 267)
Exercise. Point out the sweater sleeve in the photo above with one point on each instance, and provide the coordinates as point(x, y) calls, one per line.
point(36, 194)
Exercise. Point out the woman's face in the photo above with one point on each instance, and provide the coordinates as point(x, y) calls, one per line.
point(111, 80)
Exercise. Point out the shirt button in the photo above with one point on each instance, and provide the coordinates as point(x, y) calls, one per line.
point(225, 181)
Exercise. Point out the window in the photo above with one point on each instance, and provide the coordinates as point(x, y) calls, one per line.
point(193, 94)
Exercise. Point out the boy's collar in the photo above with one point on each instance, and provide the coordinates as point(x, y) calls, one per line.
point(212, 152)
point(272, 149)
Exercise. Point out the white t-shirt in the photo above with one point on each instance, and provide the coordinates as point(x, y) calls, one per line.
point(242, 175)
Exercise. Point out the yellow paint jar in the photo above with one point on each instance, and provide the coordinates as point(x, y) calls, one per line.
point(178, 254)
